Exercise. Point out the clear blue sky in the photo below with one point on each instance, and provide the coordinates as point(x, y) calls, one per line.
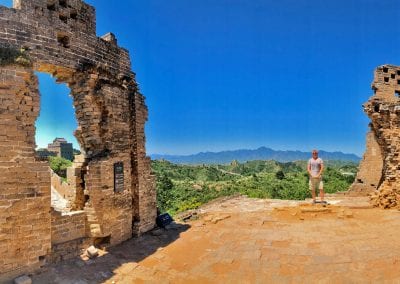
point(53, 121)
point(229, 74)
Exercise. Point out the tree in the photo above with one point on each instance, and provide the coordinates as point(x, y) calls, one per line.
point(280, 175)
point(164, 192)
point(59, 165)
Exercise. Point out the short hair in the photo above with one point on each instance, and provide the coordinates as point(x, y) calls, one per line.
point(315, 151)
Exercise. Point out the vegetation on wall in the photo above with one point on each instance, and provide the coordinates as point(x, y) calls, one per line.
point(9, 55)
point(182, 187)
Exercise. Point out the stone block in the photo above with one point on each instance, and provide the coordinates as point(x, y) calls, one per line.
point(92, 252)
point(24, 279)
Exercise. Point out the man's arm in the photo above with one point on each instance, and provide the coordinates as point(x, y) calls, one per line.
point(321, 169)
point(309, 168)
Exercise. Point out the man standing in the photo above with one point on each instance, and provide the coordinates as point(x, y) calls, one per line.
point(315, 167)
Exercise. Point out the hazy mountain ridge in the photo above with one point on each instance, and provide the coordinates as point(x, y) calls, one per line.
point(243, 155)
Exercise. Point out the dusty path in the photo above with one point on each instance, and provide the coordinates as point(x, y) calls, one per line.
point(245, 240)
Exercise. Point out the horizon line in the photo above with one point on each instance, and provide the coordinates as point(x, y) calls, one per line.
point(253, 149)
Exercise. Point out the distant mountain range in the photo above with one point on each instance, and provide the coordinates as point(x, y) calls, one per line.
point(262, 153)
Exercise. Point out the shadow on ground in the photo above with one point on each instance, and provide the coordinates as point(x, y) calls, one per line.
point(98, 270)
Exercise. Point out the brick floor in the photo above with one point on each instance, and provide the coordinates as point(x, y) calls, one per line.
point(242, 240)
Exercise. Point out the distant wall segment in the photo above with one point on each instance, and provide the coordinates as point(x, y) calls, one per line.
point(58, 37)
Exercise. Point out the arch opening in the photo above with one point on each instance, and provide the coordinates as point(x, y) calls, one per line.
point(56, 144)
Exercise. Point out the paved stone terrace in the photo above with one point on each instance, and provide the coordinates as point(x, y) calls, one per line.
point(242, 240)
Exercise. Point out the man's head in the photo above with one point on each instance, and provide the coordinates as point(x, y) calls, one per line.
point(315, 153)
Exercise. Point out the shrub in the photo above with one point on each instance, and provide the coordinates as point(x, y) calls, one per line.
point(10, 55)
point(59, 165)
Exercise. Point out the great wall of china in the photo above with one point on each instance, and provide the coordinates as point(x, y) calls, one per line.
point(115, 190)
point(113, 196)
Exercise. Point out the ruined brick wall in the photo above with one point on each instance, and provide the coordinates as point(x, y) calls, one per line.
point(384, 111)
point(73, 44)
point(68, 250)
point(144, 195)
point(64, 189)
point(72, 189)
point(370, 170)
point(109, 214)
point(75, 176)
point(25, 183)
point(67, 226)
point(68, 235)
point(59, 38)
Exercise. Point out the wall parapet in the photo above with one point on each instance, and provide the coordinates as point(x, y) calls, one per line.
point(67, 226)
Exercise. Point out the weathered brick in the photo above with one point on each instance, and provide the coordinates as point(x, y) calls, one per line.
point(111, 115)
point(379, 170)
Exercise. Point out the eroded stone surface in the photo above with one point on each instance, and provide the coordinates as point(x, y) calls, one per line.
point(262, 241)
point(380, 169)
point(370, 170)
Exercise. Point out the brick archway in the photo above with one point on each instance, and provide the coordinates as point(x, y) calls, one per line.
point(58, 37)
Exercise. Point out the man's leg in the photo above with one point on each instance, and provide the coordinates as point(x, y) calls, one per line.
point(321, 190)
point(312, 188)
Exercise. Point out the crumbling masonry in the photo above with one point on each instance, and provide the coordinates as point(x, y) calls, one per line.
point(115, 191)
point(379, 173)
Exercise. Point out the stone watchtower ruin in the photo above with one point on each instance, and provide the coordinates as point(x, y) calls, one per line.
point(115, 190)
point(379, 172)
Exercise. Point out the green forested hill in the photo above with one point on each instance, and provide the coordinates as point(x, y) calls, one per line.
point(183, 187)
point(243, 155)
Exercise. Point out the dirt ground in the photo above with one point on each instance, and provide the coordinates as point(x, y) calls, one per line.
point(242, 240)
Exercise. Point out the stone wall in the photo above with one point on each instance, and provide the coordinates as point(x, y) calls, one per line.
point(370, 170)
point(384, 111)
point(64, 189)
point(67, 226)
point(144, 195)
point(109, 213)
point(68, 250)
point(25, 230)
point(68, 235)
point(58, 37)
point(39, 29)
point(72, 190)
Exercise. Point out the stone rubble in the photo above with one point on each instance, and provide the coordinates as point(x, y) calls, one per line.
point(92, 252)
point(24, 279)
